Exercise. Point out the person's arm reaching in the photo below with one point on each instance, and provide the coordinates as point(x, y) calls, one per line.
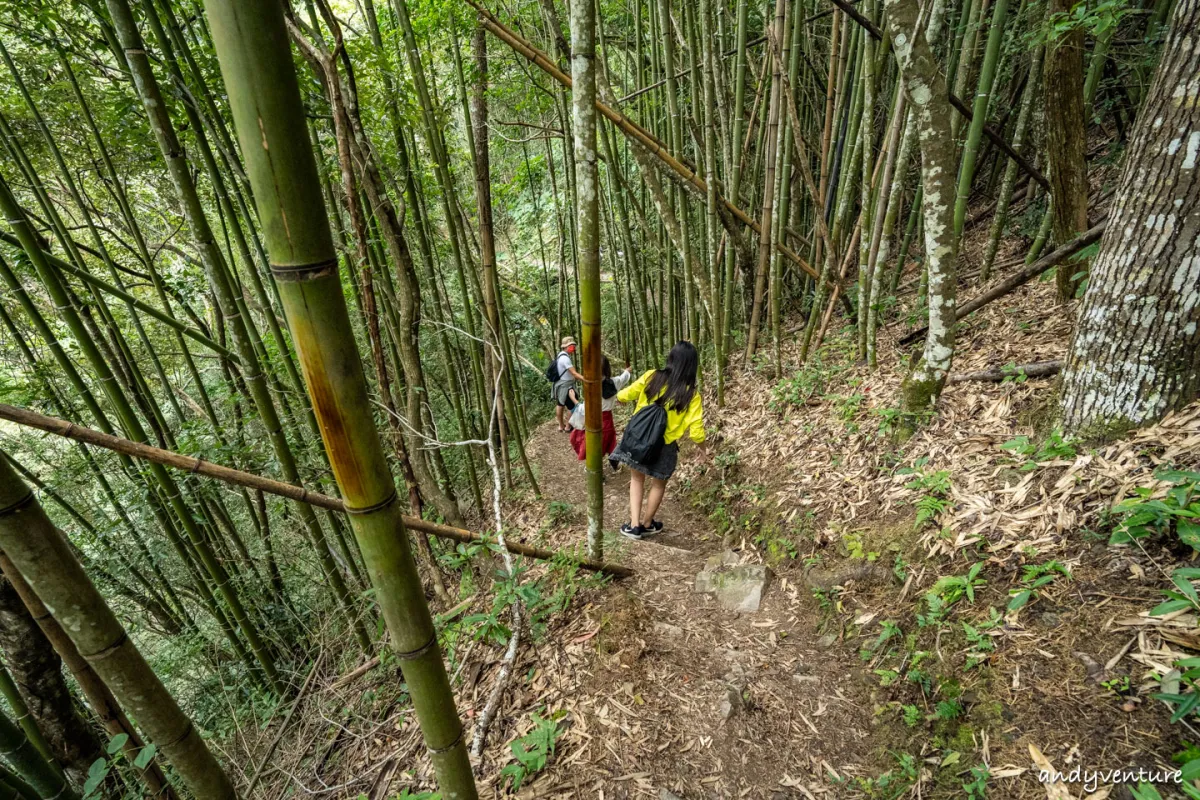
point(633, 391)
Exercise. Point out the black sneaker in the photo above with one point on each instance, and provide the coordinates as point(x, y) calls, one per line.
point(655, 526)
point(632, 531)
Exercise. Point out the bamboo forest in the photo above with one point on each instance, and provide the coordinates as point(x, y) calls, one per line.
point(666, 399)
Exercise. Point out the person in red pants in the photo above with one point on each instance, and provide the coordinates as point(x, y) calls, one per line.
point(608, 391)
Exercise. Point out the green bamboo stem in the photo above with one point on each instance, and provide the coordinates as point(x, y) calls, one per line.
point(1004, 198)
point(41, 774)
point(252, 46)
point(218, 277)
point(25, 720)
point(983, 94)
point(12, 787)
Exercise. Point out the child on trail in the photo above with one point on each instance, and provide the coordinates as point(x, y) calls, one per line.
point(608, 393)
point(668, 406)
point(564, 388)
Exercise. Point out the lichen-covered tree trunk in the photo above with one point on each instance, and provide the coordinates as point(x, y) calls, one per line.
point(926, 88)
point(1066, 142)
point(1136, 351)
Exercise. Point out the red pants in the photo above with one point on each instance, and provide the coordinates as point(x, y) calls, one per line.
point(609, 437)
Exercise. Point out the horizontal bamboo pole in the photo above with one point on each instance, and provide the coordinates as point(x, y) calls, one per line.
point(105, 286)
point(198, 466)
point(630, 128)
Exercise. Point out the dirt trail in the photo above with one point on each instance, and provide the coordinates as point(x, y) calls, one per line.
point(656, 662)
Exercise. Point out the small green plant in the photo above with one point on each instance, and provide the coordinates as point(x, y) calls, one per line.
point(948, 590)
point(890, 420)
point(532, 751)
point(948, 710)
point(1119, 685)
point(1146, 791)
point(887, 677)
point(828, 600)
point(1035, 577)
point(461, 555)
point(559, 512)
point(934, 488)
point(727, 460)
point(804, 384)
point(1054, 447)
point(980, 643)
point(900, 568)
point(1013, 373)
point(114, 758)
point(848, 406)
point(888, 630)
point(893, 784)
point(976, 787)
point(777, 546)
point(911, 715)
point(1178, 511)
point(855, 548)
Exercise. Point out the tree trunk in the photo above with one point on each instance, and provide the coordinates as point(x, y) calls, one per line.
point(1136, 351)
point(1066, 142)
point(926, 87)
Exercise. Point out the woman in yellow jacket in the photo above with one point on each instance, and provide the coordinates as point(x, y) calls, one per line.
point(674, 388)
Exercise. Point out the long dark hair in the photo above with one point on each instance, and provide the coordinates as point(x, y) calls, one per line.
point(677, 380)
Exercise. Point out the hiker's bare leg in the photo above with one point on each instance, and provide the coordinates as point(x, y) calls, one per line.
point(657, 490)
point(558, 415)
point(636, 482)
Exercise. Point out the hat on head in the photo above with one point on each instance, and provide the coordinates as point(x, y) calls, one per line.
point(567, 342)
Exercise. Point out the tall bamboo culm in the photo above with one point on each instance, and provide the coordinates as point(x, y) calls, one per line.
point(43, 557)
point(252, 47)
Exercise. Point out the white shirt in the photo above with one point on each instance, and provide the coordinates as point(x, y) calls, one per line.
point(621, 381)
point(565, 365)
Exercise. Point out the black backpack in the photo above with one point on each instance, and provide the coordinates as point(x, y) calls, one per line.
point(608, 389)
point(643, 438)
point(552, 373)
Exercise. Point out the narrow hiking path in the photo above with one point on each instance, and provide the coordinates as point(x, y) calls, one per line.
point(671, 691)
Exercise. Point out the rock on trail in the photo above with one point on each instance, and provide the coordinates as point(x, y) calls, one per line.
point(736, 586)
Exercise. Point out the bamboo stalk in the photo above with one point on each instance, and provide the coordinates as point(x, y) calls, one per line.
point(43, 557)
point(630, 128)
point(103, 704)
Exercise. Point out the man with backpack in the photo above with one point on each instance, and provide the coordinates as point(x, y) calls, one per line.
point(563, 375)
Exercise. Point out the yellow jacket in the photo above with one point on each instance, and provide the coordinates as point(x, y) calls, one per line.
point(690, 421)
